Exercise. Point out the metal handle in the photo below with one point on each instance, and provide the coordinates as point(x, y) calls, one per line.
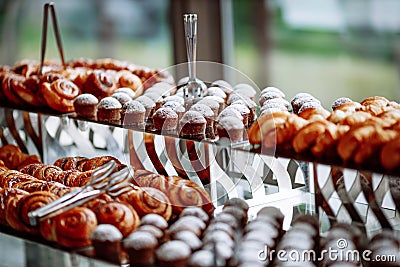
point(190, 22)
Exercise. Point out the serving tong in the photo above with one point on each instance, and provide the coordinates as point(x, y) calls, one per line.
point(194, 87)
point(50, 8)
point(101, 181)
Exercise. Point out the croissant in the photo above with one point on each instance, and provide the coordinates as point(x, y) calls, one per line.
point(325, 144)
point(70, 163)
point(390, 155)
point(307, 136)
point(263, 125)
point(350, 143)
point(356, 118)
point(147, 200)
point(73, 228)
point(283, 132)
point(11, 200)
point(29, 203)
point(121, 215)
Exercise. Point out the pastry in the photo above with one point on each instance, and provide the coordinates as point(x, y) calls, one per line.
point(216, 91)
point(148, 200)
point(10, 82)
point(231, 128)
point(126, 90)
point(141, 247)
point(154, 220)
point(189, 238)
point(272, 89)
point(100, 84)
point(165, 119)
point(11, 199)
point(209, 115)
point(390, 155)
point(245, 89)
point(251, 105)
point(338, 102)
point(307, 136)
point(173, 254)
point(70, 163)
point(121, 97)
point(212, 104)
point(187, 223)
point(120, 215)
point(60, 94)
point(195, 211)
point(176, 107)
point(133, 113)
point(106, 240)
point(237, 202)
point(202, 258)
point(192, 125)
point(85, 106)
point(149, 105)
point(156, 232)
point(74, 227)
point(109, 110)
point(129, 80)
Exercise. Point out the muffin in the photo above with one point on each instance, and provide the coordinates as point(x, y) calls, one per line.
point(157, 98)
point(174, 98)
point(156, 232)
point(209, 115)
point(197, 212)
point(272, 89)
point(224, 85)
point(338, 102)
point(244, 111)
point(245, 89)
point(192, 125)
point(149, 105)
point(190, 239)
point(155, 220)
point(165, 119)
point(86, 106)
point(141, 247)
point(173, 254)
point(231, 128)
point(237, 202)
point(202, 258)
point(106, 240)
point(126, 90)
point(213, 104)
point(219, 100)
point(177, 107)
point(251, 105)
point(122, 97)
point(109, 110)
point(133, 113)
point(268, 96)
point(216, 91)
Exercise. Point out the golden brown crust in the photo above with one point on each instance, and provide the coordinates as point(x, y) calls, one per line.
point(147, 200)
point(96, 162)
point(307, 136)
point(11, 214)
point(29, 203)
point(390, 155)
point(73, 228)
point(263, 125)
point(70, 163)
point(121, 215)
point(100, 84)
point(60, 94)
point(376, 101)
point(356, 118)
point(350, 143)
point(127, 79)
point(325, 144)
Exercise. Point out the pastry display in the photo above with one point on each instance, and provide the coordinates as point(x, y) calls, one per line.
point(357, 133)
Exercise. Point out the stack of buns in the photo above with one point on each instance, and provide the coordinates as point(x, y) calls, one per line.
point(58, 86)
point(364, 133)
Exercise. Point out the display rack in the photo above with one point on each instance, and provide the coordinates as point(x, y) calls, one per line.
point(367, 199)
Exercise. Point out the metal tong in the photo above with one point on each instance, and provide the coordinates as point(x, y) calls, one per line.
point(102, 180)
point(49, 8)
point(194, 88)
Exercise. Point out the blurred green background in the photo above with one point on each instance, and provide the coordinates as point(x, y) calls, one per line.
point(329, 48)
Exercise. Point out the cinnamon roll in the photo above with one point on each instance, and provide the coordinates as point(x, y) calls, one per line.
point(73, 228)
point(29, 203)
point(96, 162)
point(121, 215)
point(42, 171)
point(147, 200)
point(10, 82)
point(12, 198)
point(127, 79)
point(99, 201)
point(100, 84)
point(11, 177)
point(60, 94)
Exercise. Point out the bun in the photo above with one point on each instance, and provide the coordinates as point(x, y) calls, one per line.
point(73, 228)
point(147, 200)
point(120, 215)
point(100, 84)
point(60, 94)
point(29, 203)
